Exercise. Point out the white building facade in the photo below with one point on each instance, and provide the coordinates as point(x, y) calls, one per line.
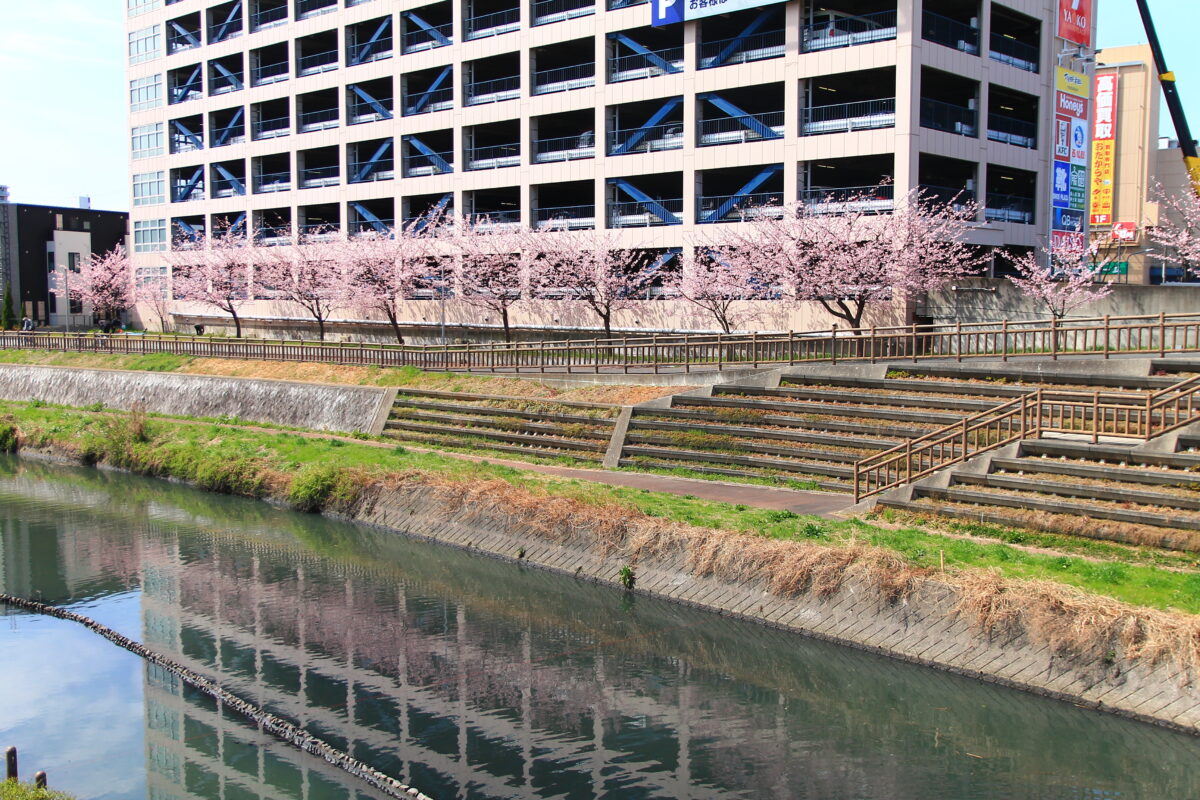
point(289, 116)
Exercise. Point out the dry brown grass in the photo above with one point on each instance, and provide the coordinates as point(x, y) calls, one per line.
point(618, 394)
point(1069, 621)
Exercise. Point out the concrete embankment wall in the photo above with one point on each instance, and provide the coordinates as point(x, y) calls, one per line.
point(922, 627)
point(304, 405)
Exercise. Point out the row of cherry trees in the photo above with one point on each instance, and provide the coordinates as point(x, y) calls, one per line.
point(838, 254)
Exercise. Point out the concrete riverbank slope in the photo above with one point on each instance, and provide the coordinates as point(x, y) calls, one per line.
point(315, 406)
point(979, 629)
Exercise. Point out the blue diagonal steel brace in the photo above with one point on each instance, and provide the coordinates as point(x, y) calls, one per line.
point(234, 79)
point(747, 121)
point(661, 261)
point(226, 132)
point(181, 91)
point(736, 42)
point(653, 206)
point(379, 107)
point(433, 32)
point(190, 186)
point(651, 56)
point(368, 47)
point(640, 133)
point(433, 210)
point(238, 222)
point(374, 221)
point(185, 33)
point(223, 28)
point(442, 165)
point(183, 130)
point(372, 162)
point(741, 194)
point(433, 87)
point(183, 225)
point(238, 188)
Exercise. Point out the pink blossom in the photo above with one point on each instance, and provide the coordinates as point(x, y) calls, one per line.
point(1065, 282)
point(104, 282)
point(215, 271)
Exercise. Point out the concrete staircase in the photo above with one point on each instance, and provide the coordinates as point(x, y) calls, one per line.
point(546, 428)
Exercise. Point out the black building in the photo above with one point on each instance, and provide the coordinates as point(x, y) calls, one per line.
point(35, 241)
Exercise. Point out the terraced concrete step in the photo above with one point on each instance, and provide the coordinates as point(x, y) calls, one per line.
point(450, 441)
point(858, 398)
point(672, 454)
point(486, 433)
point(897, 432)
point(1093, 452)
point(978, 388)
point(1033, 503)
point(829, 486)
point(1080, 377)
point(799, 407)
point(740, 431)
point(1176, 540)
point(550, 401)
point(491, 411)
point(1137, 475)
point(1116, 494)
point(469, 422)
point(749, 447)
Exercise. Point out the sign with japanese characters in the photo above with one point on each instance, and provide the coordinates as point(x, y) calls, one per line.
point(1124, 232)
point(1104, 149)
point(1061, 188)
point(668, 12)
point(1072, 82)
point(1075, 21)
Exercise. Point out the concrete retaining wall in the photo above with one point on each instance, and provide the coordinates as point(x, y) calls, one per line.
point(304, 405)
point(921, 628)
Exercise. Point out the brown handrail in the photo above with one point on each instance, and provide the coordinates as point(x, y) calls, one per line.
point(1142, 415)
point(1101, 337)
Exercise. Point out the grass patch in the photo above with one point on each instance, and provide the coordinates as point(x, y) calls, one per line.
point(13, 790)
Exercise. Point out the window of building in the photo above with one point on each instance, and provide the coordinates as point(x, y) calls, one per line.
point(145, 44)
point(145, 93)
point(142, 6)
point(149, 235)
point(147, 140)
point(149, 188)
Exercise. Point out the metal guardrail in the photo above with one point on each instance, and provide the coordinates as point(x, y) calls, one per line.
point(1099, 337)
point(1125, 415)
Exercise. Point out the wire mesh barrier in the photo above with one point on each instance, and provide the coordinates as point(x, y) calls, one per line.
point(1096, 337)
point(1124, 415)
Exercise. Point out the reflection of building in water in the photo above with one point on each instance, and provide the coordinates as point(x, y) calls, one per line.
point(441, 700)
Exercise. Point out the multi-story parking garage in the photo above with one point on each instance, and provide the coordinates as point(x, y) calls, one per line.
point(287, 116)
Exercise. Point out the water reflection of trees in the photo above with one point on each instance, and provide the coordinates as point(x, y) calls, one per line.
point(458, 668)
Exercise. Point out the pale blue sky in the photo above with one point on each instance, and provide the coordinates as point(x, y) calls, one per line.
point(62, 91)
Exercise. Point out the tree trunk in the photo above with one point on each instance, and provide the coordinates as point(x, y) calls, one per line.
point(320, 327)
point(237, 324)
point(391, 315)
point(606, 318)
point(507, 331)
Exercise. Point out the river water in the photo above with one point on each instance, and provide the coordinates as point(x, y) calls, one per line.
point(468, 678)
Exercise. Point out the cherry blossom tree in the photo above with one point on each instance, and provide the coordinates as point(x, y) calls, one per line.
point(846, 252)
point(385, 267)
point(1177, 236)
point(493, 267)
point(720, 280)
point(104, 282)
point(1063, 281)
point(154, 292)
point(314, 275)
point(214, 270)
point(592, 269)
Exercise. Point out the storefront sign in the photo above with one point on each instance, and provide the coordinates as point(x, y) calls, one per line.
point(1075, 21)
point(1124, 231)
point(1079, 187)
point(1104, 149)
point(1072, 82)
point(667, 12)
